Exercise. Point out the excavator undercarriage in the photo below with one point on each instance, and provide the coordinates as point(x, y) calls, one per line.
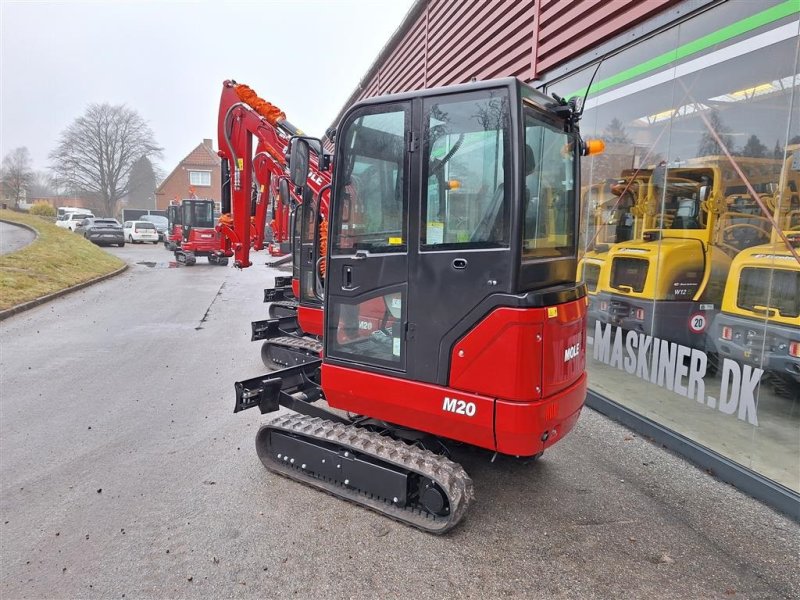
point(281, 298)
point(399, 478)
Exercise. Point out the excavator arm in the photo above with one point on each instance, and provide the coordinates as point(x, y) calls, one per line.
point(244, 116)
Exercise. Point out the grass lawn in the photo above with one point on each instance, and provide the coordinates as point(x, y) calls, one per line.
point(56, 260)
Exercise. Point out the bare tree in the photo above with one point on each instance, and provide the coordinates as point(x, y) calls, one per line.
point(97, 151)
point(16, 174)
point(712, 142)
point(42, 185)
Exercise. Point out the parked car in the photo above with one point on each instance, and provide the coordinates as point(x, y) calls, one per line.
point(71, 220)
point(101, 231)
point(140, 231)
point(160, 222)
point(63, 211)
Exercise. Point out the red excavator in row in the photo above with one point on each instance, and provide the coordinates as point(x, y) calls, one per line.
point(450, 307)
point(293, 332)
point(249, 180)
point(191, 231)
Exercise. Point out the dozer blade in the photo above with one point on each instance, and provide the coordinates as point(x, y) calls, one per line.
point(272, 328)
point(406, 483)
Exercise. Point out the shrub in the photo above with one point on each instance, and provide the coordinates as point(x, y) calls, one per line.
point(43, 210)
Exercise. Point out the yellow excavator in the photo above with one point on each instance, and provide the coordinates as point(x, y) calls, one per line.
point(759, 323)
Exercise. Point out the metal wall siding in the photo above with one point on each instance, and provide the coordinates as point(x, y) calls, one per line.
point(481, 64)
point(556, 20)
point(404, 60)
point(458, 24)
point(563, 34)
point(408, 65)
point(467, 57)
point(451, 41)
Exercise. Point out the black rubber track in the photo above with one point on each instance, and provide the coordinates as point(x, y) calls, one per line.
point(450, 476)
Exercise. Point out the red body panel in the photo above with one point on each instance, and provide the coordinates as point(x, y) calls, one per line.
point(501, 357)
point(525, 393)
point(519, 426)
point(565, 339)
point(296, 287)
point(409, 403)
point(176, 234)
point(515, 428)
point(310, 319)
point(522, 354)
point(201, 240)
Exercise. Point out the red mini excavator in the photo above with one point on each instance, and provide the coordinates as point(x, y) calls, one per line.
point(450, 306)
point(199, 236)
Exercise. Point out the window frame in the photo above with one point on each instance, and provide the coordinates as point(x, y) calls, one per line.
point(551, 252)
point(199, 172)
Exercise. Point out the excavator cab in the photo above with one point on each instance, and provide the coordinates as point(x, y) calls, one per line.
point(463, 246)
point(196, 215)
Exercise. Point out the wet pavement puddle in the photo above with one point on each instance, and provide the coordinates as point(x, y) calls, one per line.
point(159, 265)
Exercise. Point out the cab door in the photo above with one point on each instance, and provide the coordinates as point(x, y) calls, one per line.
point(366, 288)
point(461, 254)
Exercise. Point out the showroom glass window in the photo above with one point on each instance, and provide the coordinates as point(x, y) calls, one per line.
point(688, 222)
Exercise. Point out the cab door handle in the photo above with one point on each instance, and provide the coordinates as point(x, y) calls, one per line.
point(347, 278)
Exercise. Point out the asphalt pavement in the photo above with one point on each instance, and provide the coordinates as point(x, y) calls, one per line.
point(125, 474)
point(14, 237)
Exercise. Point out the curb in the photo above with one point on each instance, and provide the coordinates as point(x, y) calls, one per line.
point(24, 226)
point(9, 312)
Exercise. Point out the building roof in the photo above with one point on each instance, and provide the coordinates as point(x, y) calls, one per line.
point(203, 154)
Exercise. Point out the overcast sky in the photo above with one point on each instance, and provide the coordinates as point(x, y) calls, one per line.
point(167, 60)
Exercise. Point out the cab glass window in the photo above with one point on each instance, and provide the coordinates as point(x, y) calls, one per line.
point(549, 194)
point(202, 214)
point(371, 215)
point(467, 175)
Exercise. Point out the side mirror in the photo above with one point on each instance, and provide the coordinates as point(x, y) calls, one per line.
point(283, 191)
point(298, 162)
